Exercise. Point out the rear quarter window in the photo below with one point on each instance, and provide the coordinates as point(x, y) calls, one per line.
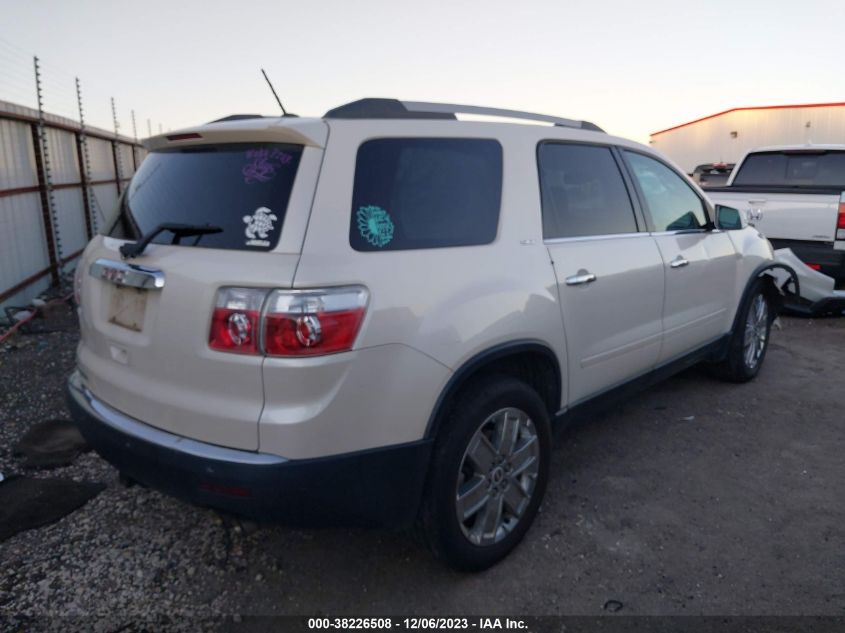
point(242, 188)
point(412, 193)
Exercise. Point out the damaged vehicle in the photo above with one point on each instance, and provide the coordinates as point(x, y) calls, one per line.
point(375, 316)
point(816, 295)
point(795, 195)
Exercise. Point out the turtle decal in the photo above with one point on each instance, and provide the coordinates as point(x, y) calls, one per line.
point(258, 226)
point(375, 225)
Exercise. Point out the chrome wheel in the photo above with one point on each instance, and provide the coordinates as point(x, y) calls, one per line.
point(756, 331)
point(497, 476)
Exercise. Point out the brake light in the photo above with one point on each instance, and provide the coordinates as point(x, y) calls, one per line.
point(287, 322)
point(313, 322)
point(814, 266)
point(183, 137)
point(840, 222)
point(235, 322)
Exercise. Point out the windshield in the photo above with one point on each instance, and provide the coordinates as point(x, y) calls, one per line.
point(241, 188)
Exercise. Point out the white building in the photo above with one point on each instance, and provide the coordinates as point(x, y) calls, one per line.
point(726, 136)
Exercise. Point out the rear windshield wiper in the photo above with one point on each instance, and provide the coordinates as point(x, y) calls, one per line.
point(130, 250)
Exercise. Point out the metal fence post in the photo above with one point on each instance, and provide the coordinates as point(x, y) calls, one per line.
point(85, 167)
point(135, 146)
point(45, 184)
point(118, 170)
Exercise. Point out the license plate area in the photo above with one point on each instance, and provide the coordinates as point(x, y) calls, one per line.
point(127, 307)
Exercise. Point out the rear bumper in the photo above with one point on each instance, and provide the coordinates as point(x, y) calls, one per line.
point(831, 262)
point(817, 296)
point(375, 487)
point(833, 305)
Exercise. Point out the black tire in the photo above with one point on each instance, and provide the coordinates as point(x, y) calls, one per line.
point(474, 412)
point(736, 367)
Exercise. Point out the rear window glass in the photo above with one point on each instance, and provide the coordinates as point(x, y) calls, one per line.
point(241, 188)
point(808, 169)
point(425, 193)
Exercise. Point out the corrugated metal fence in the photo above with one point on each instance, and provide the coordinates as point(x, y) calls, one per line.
point(48, 209)
point(63, 162)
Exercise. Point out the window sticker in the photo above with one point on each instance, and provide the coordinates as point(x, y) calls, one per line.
point(263, 164)
point(375, 225)
point(258, 225)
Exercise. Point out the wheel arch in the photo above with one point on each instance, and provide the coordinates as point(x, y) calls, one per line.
point(774, 291)
point(530, 360)
point(778, 291)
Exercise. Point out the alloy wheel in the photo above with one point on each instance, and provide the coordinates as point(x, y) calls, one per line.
point(756, 331)
point(497, 476)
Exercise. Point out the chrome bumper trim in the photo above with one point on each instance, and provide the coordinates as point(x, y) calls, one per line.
point(146, 433)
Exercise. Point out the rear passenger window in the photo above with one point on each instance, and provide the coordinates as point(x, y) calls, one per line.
point(425, 193)
point(582, 192)
point(671, 202)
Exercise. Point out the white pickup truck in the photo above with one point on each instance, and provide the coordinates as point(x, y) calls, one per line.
point(795, 196)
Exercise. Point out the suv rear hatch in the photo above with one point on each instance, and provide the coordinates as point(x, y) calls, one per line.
point(145, 320)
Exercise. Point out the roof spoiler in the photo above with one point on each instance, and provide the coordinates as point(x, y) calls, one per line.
point(237, 117)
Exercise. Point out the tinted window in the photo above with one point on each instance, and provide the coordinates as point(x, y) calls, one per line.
point(582, 192)
point(712, 174)
point(671, 202)
point(425, 193)
point(809, 169)
point(243, 189)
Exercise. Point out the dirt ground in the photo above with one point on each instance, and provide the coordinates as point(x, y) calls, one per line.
point(695, 497)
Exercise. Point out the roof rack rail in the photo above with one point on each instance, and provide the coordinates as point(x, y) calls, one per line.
point(373, 108)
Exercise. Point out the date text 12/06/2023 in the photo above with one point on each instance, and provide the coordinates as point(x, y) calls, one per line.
point(419, 623)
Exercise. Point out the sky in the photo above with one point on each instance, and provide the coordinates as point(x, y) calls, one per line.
point(631, 67)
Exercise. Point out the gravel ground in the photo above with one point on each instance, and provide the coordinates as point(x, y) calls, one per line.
point(695, 497)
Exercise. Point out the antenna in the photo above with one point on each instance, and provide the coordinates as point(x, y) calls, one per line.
point(279, 101)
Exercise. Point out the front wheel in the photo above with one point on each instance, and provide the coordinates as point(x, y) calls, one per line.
point(750, 339)
point(488, 474)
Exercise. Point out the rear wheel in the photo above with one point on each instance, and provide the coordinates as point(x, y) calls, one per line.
point(488, 474)
point(750, 340)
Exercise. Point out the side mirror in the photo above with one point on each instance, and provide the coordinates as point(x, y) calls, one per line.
point(728, 218)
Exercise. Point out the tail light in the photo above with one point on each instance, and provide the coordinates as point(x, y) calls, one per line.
point(287, 322)
point(814, 266)
point(312, 322)
point(235, 322)
point(840, 221)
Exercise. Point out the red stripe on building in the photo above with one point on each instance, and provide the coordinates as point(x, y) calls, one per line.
point(774, 107)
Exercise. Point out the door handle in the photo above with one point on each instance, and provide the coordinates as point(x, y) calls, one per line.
point(679, 262)
point(583, 277)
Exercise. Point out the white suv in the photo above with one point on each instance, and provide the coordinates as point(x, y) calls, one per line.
point(376, 316)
